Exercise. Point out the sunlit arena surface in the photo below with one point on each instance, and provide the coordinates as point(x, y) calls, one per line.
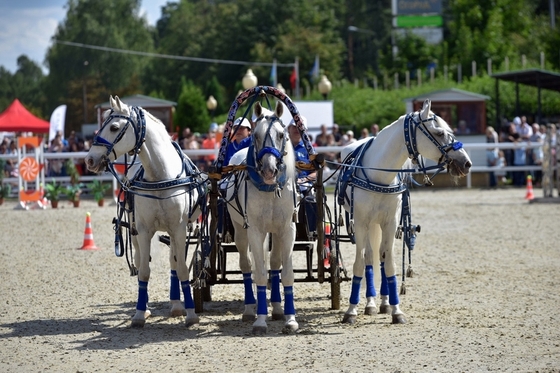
point(484, 297)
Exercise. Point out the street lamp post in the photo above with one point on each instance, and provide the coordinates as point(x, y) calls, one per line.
point(249, 80)
point(325, 86)
point(84, 92)
point(350, 47)
point(211, 104)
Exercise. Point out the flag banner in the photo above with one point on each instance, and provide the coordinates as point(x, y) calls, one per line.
point(58, 118)
point(314, 73)
point(293, 79)
point(273, 74)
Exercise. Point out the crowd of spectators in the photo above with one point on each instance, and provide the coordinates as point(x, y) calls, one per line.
point(522, 134)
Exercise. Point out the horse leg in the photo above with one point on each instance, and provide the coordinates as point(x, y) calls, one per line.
point(358, 268)
point(242, 244)
point(384, 307)
point(389, 269)
point(275, 297)
point(178, 239)
point(177, 307)
point(371, 257)
point(256, 242)
point(286, 246)
point(142, 259)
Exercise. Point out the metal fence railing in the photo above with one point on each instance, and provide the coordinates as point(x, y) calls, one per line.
point(477, 152)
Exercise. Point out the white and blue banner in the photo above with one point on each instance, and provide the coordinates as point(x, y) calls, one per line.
point(58, 119)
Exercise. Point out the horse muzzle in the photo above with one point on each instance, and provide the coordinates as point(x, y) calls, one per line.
point(457, 169)
point(96, 165)
point(269, 176)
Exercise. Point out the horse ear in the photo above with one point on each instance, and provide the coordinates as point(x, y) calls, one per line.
point(279, 109)
point(113, 102)
point(426, 108)
point(258, 109)
point(122, 107)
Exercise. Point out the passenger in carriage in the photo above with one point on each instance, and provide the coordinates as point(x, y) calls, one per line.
point(241, 138)
point(305, 177)
point(305, 181)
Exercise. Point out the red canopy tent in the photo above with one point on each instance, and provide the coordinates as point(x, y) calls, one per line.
point(16, 118)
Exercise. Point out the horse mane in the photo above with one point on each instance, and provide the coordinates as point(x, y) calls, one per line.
point(152, 117)
point(146, 112)
point(290, 159)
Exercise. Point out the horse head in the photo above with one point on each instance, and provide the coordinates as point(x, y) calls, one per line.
point(438, 143)
point(122, 132)
point(271, 143)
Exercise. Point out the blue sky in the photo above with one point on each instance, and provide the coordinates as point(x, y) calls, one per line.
point(27, 26)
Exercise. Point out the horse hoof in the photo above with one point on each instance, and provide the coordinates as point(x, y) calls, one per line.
point(349, 319)
point(384, 309)
point(399, 319)
point(259, 330)
point(176, 312)
point(277, 316)
point(191, 322)
point(246, 318)
point(138, 323)
point(370, 311)
point(290, 328)
point(409, 272)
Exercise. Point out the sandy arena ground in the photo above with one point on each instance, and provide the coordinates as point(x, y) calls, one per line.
point(484, 298)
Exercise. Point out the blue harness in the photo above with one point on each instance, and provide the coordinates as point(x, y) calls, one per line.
point(190, 178)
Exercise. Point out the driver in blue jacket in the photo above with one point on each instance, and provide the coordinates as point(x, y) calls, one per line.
point(305, 177)
point(241, 138)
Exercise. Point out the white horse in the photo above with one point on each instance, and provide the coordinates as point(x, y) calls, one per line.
point(164, 195)
point(372, 196)
point(266, 204)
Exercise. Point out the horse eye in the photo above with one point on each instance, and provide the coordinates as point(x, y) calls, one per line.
point(114, 127)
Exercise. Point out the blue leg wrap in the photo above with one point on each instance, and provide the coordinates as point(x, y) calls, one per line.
point(393, 294)
point(142, 304)
point(174, 290)
point(248, 286)
point(355, 294)
point(261, 301)
point(186, 286)
point(384, 290)
point(289, 308)
point(275, 286)
point(370, 285)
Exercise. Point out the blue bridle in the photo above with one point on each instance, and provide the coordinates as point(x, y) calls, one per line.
point(254, 157)
point(411, 142)
point(139, 131)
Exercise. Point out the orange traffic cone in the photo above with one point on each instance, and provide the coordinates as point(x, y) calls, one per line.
point(530, 195)
point(88, 235)
point(327, 247)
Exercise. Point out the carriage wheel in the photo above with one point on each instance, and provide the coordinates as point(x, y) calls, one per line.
point(198, 298)
point(335, 287)
point(319, 195)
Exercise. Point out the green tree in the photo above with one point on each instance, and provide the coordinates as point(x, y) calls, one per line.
point(81, 72)
point(479, 30)
point(191, 108)
point(213, 88)
point(25, 84)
